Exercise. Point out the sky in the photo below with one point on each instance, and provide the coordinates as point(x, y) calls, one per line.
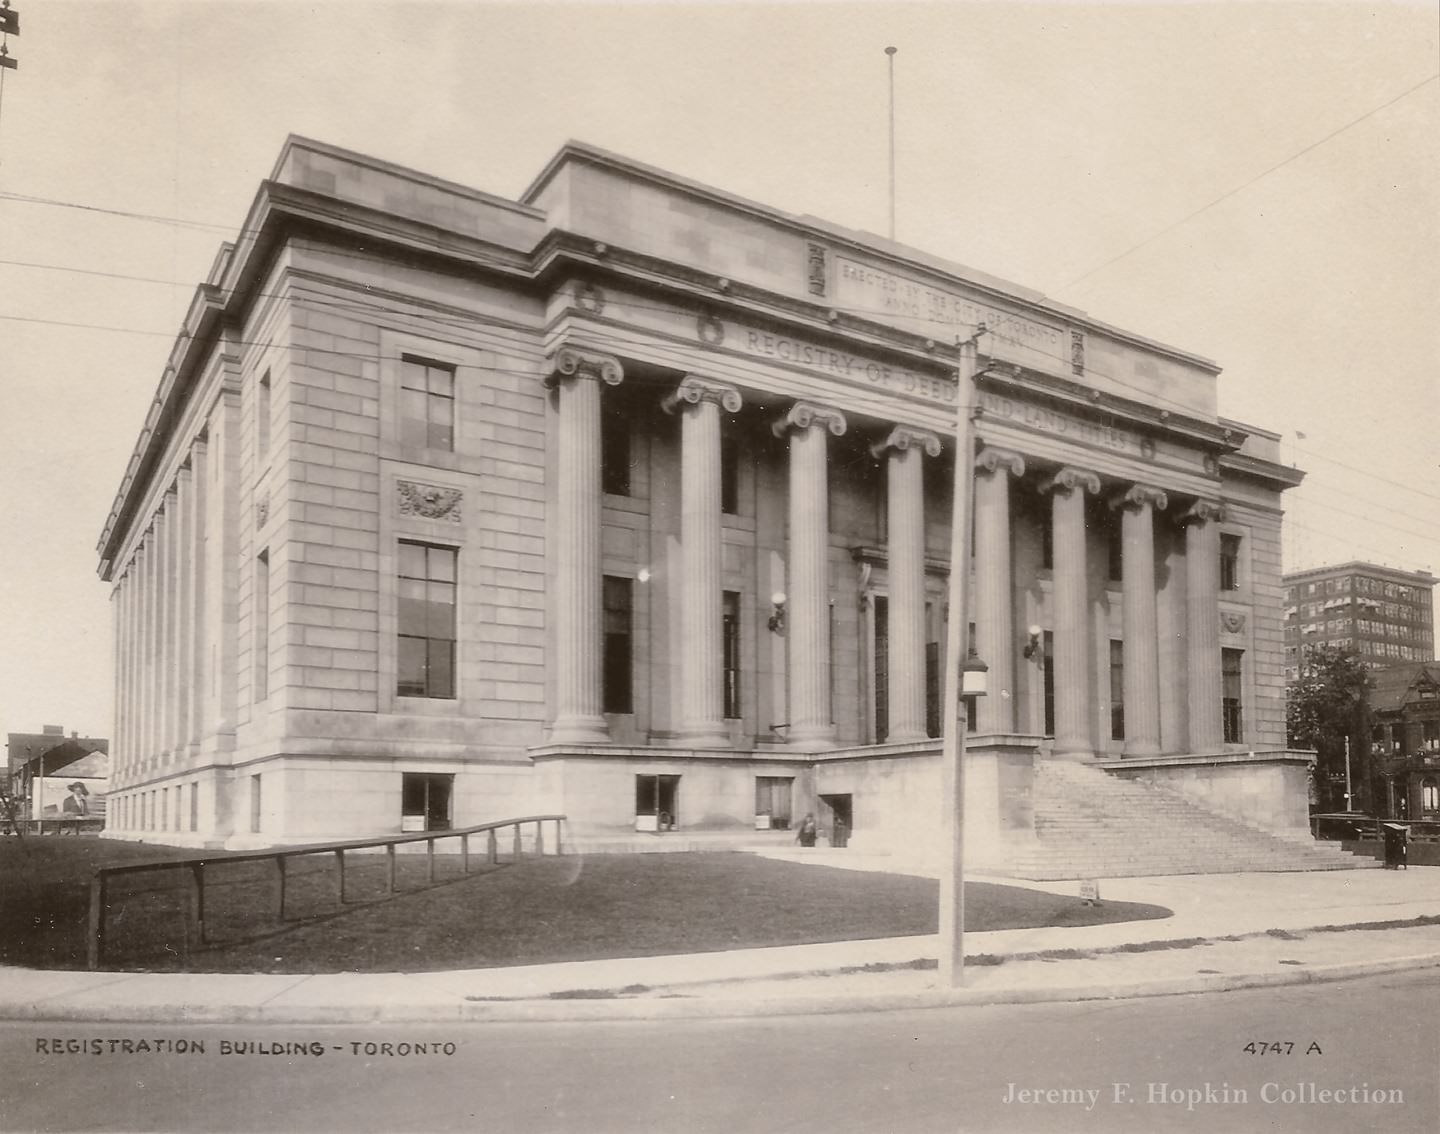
point(1256, 183)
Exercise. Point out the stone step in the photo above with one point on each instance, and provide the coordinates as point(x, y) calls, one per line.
point(1089, 823)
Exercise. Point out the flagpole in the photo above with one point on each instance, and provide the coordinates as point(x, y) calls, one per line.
point(890, 51)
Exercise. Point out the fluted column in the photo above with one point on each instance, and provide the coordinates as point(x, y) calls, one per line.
point(994, 587)
point(807, 615)
point(906, 449)
point(702, 709)
point(578, 705)
point(1142, 642)
point(1202, 623)
point(1067, 490)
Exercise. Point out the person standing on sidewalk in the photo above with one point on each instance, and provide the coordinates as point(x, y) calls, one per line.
point(806, 835)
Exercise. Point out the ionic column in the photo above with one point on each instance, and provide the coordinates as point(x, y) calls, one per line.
point(578, 705)
point(994, 614)
point(1067, 490)
point(702, 709)
point(807, 610)
point(1202, 623)
point(906, 449)
point(1142, 643)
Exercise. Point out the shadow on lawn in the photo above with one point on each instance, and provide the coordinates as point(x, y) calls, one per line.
point(534, 911)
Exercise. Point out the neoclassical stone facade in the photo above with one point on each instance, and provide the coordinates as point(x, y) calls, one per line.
point(631, 500)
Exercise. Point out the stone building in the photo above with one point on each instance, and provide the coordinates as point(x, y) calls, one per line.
point(1385, 614)
point(1405, 741)
point(630, 499)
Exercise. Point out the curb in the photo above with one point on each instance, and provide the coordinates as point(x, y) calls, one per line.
point(682, 1007)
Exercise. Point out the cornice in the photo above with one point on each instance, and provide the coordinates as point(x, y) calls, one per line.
point(1273, 474)
point(1097, 405)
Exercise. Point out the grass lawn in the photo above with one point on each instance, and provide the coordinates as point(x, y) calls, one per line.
point(533, 911)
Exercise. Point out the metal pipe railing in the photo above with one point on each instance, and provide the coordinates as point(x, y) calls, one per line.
point(195, 883)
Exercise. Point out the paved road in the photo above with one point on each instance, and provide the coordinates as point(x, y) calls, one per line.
point(942, 1070)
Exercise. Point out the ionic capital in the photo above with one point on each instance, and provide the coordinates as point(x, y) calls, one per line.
point(1139, 496)
point(802, 415)
point(991, 460)
point(1203, 512)
point(1069, 478)
point(693, 390)
point(902, 437)
point(572, 362)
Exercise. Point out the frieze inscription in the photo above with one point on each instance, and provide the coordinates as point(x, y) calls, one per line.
point(1053, 421)
point(880, 375)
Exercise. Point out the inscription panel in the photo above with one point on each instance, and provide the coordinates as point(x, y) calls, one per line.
point(870, 291)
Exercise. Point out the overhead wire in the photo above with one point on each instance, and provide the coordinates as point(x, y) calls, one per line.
point(1258, 177)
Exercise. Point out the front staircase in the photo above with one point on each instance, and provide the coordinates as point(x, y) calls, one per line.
point(1091, 824)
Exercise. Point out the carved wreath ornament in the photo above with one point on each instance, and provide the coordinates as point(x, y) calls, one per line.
point(428, 501)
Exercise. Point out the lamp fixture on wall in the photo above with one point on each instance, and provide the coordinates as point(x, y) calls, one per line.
point(974, 677)
point(777, 616)
point(1033, 648)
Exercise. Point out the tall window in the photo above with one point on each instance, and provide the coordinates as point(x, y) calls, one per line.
point(617, 667)
point(730, 637)
point(426, 665)
point(729, 476)
point(1230, 563)
point(255, 804)
point(1049, 683)
point(194, 807)
point(425, 800)
point(882, 668)
point(1429, 795)
point(261, 637)
point(1114, 546)
point(614, 452)
point(1117, 690)
point(427, 404)
point(1230, 661)
point(772, 798)
point(262, 416)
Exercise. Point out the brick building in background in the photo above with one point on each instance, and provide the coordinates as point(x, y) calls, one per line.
point(1386, 615)
point(630, 500)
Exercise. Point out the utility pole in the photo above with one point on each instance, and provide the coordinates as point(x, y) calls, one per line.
point(1349, 806)
point(890, 51)
point(952, 752)
point(9, 25)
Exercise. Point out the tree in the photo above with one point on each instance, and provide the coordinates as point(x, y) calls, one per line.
point(11, 805)
point(1328, 705)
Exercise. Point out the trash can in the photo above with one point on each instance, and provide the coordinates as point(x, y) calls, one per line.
point(1395, 835)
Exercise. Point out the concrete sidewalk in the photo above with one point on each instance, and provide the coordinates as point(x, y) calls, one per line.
point(1228, 931)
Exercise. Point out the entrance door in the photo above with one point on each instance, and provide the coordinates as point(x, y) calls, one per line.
point(657, 799)
point(841, 817)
